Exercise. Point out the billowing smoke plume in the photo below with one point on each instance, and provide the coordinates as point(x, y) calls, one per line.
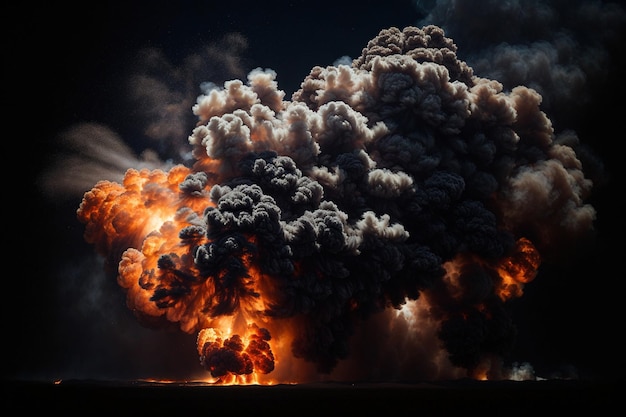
point(402, 194)
point(559, 48)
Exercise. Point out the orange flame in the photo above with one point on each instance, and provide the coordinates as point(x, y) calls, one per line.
point(518, 269)
point(236, 359)
point(140, 220)
point(513, 271)
point(505, 279)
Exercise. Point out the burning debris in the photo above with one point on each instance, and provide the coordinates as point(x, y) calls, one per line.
point(401, 180)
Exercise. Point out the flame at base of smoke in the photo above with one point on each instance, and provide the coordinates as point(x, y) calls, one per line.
point(402, 195)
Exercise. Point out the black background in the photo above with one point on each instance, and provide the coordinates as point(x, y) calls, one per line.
point(65, 66)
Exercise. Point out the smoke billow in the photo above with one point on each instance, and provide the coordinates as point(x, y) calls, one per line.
point(375, 225)
point(559, 48)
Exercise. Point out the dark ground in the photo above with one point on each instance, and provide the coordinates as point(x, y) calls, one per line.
point(504, 398)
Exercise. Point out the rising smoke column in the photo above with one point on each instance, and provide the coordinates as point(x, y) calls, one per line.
point(401, 183)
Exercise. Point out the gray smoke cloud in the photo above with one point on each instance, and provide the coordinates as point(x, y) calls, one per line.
point(559, 48)
point(158, 95)
point(407, 194)
point(160, 92)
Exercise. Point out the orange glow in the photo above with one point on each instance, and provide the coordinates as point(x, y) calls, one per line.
point(518, 269)
point(480, 375)
point(513, 271)
point(141, 219)
point(234, 358)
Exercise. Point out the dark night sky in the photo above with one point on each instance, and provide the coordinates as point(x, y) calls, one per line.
point(570, 319)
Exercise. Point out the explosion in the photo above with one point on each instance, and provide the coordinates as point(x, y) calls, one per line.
point(401, 183)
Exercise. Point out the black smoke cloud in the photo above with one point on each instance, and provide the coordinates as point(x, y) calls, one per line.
point(402, 180)
point(354, 197)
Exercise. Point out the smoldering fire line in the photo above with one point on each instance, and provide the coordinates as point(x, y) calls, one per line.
point(403, 194)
